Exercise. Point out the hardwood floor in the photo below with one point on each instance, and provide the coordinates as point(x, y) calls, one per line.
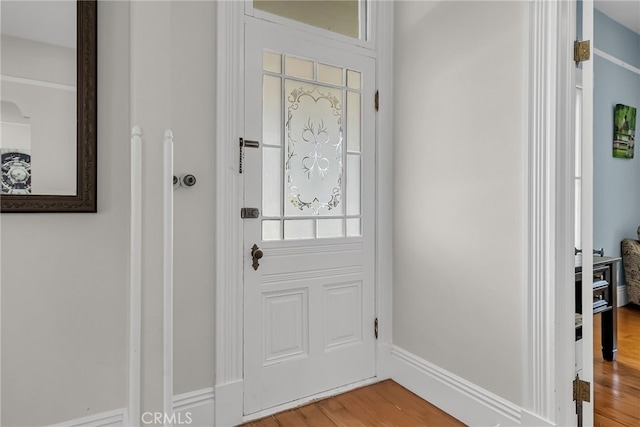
point(617, 384)
point(383, 404)
point(616, 394)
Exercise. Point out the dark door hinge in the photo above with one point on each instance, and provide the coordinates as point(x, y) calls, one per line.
point(375, 328)
point(377, 100)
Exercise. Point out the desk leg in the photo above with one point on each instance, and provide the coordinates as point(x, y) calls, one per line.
point(609, 347)
point(610, 319)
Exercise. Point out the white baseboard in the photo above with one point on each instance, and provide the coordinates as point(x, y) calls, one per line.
point(196, 408)
point(460, 398)
point(116, 418)
point(229, 401)
point(623, 297)
point(383, 361)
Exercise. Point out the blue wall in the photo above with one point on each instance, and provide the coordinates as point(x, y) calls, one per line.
point(616, 182)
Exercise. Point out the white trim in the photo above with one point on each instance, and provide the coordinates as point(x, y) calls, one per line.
point(167, 342)
point(228, 227)
point(308, 399)
point(115, 418)
point(369, 42)
point(135, 277)
point(616, 61)
point(1, 320)
point(549, 347)
point(196, 408)
point(229, 403)
point(539, 388)
point(623, 296)
point(384, 181)
point(460, 398)
point(193, 399)
point(40, 83)
point(586, 208)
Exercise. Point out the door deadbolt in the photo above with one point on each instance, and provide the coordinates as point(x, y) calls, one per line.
point(256, 254)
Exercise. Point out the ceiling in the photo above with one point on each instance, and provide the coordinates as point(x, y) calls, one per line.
point(626, 12)
point(52, 22)
point(43, 14)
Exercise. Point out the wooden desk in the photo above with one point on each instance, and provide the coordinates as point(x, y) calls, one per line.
point(605, 293)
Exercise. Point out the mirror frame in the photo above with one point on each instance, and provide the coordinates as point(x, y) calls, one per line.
point(85, 199)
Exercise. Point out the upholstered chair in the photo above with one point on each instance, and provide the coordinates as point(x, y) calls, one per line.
point(631, 261)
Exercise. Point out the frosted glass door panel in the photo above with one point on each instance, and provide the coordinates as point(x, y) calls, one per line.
point(272, 111)
point(297, 67)
point(353, 121)
point(299, 229)
point(330, 74)
point(271, 181)
point(353, 185)
point(272, 62)
point(314, 150)
point(353, 79)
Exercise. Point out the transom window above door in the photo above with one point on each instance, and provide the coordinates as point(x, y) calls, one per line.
point(346, 17)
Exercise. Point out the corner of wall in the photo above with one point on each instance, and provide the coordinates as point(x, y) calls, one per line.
point(460, 398)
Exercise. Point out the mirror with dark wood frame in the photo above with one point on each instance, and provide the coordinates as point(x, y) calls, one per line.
point(85, 198)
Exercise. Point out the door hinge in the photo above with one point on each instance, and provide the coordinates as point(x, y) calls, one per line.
point(375, 327)
point(581, 390)
point(581, 51)
point(581, 393)
point(377, 100)
point(248, 144)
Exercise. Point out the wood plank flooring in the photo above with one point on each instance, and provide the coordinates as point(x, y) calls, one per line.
point(616, 394)
point(382, 404)
point(617, 384)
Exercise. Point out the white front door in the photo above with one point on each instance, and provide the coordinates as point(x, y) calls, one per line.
point(309, 303)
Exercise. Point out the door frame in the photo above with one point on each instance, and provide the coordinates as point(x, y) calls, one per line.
point(229, 242)
point(548, 318)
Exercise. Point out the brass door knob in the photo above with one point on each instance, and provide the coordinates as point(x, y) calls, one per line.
point(256, 254)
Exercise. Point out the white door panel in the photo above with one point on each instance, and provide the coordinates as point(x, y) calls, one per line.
point(309, 306)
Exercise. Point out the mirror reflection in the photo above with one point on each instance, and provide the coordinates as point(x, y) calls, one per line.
point(38, 97)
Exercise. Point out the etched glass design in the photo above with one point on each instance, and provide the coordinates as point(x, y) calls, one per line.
point(312, 149)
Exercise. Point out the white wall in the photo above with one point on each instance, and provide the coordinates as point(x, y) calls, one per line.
point(459, 190)
point(192, 121)
point(616, 202)
point(172, 73)
point(65, 276)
